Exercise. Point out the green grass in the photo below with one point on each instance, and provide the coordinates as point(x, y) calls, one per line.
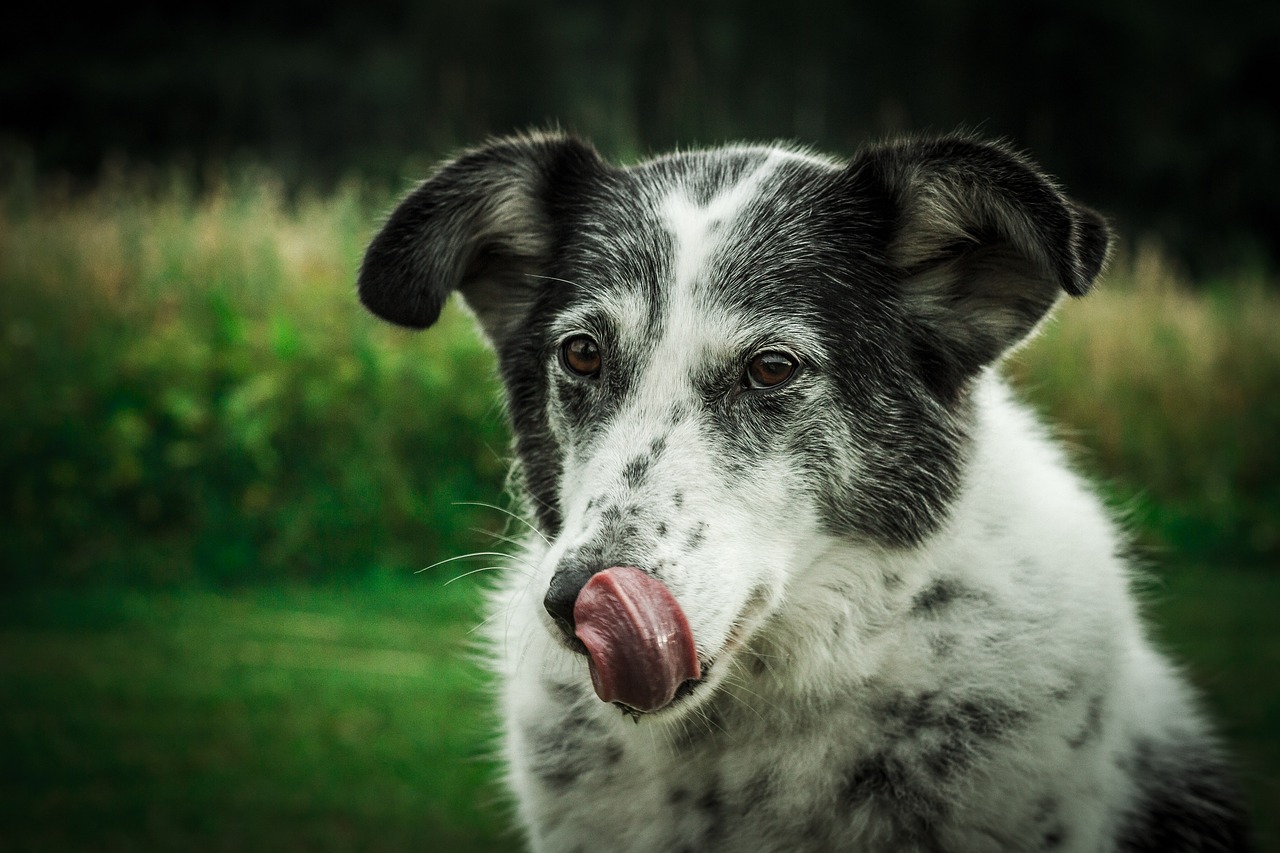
point(1219, 622)
point(276, 718)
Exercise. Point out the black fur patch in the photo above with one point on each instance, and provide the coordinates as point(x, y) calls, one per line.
point(942, 592)
point(1189, 802)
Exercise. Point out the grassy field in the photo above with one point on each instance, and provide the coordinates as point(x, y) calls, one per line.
point(275, 718)
point(217, 477)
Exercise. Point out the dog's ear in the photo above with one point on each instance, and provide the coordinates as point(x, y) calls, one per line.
point(482, 225)
point(983, 242)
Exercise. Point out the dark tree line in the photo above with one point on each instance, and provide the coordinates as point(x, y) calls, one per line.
point(1164, 113)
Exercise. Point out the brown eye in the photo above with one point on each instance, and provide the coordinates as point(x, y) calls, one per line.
point(581, 355)
point(770, 369)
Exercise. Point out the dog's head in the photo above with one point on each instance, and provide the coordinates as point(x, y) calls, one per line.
point(715, 361)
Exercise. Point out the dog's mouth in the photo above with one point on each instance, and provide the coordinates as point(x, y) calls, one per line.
point(638, 641)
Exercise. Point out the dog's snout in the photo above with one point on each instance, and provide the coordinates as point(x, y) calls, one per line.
point(562, 594)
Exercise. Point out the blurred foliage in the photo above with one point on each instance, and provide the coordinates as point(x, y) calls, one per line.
point(1169, 397)
point(1158, 112)
point(192, 391)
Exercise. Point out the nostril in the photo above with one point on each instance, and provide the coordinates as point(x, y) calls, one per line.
point(559, 603)
point(562, 595)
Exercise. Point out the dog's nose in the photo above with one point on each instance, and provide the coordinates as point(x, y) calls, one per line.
point(562, 594)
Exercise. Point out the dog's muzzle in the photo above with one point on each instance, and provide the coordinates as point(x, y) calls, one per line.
point(634, 632)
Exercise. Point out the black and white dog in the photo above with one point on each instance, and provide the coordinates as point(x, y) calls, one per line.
point(787, 517)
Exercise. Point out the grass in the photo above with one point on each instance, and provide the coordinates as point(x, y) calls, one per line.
point(1171, 399)
point(273, 718)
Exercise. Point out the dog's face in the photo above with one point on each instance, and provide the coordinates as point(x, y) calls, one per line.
point(717, 361)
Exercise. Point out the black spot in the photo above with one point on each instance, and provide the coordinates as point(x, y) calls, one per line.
point(636, 471)
point(896, 790)
point(564, 693)
point(559, 777)
point(678, 796)
point(942, 592)
point(711, 805)
point(1054, 838)
point(950, 757)
point(557, 755)
point(874, 776)
point(661, 529)
point(697, 536)
point(986, 719)
point(612, 753)
point(677, 500)
point(658, 446)
point(1092, 724)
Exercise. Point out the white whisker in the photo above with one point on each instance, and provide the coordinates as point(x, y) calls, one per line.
point(478, 571)
point(461, 557)
point(508, 512)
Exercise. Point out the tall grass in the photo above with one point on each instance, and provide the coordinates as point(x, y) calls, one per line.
point(1170, 396)
point(192, 392)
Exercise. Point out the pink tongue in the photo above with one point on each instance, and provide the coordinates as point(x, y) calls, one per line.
point(639, 641)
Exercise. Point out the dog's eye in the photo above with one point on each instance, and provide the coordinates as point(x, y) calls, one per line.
point(581, 354)
point(770, 369)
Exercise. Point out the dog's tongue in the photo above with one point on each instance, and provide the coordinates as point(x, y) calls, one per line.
point(638, 639)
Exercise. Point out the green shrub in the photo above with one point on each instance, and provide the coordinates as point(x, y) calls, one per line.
point(193, 392)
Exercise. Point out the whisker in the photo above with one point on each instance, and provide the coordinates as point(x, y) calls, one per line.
point(739, 685)
point(505, 512)
point(510, 540)
point(478, 571)
point(461, 557)
point(550, 278)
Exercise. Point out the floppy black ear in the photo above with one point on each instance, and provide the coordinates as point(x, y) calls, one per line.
point(482, 225)
point(984, 242)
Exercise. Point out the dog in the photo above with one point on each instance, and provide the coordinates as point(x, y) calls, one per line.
point(802, 575)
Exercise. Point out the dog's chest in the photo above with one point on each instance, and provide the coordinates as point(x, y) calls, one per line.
point(705, 785)
point(726, 780)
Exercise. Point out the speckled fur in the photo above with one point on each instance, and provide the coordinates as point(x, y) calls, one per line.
point(915, 628)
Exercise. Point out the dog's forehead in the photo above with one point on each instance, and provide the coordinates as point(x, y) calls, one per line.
point(709, 246)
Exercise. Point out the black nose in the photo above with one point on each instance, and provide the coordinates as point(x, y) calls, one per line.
point(562, 594)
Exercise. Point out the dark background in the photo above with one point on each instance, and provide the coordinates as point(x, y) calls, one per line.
point(1165, 114)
